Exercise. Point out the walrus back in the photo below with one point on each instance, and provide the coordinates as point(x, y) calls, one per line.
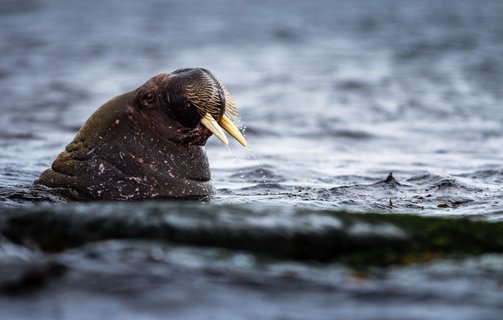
point(74, 168)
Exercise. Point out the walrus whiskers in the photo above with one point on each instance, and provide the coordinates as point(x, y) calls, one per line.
point(206, 95)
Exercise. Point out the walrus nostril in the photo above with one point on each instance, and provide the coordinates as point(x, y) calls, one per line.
point(182, 70)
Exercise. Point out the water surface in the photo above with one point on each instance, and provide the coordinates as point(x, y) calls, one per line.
point(333, 96)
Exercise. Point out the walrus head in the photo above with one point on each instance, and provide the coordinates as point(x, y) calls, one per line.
point(188, 100)
point(148, 143)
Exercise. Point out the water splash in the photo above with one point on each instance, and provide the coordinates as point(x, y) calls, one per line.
point(253, 156)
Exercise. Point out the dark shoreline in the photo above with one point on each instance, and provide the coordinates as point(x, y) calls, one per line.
point(356, 239)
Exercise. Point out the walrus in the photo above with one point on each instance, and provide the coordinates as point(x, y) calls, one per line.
point(148, 143)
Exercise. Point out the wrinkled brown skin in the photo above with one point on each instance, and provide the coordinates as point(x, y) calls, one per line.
point(134, 149)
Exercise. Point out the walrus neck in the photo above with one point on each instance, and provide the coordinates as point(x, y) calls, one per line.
point(174, 170)
point(170, 159)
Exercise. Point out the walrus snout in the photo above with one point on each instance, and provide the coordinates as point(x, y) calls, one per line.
point(196, 96)
point(191, 93)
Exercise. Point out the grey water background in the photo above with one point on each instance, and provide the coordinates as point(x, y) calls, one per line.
point(333, 95)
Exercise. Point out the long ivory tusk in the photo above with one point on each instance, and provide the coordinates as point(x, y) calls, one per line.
point(231, 128)
point(209, 122)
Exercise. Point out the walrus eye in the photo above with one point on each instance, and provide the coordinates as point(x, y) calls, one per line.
point(149, 98)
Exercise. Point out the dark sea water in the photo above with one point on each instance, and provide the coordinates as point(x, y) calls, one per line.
point(333, 96)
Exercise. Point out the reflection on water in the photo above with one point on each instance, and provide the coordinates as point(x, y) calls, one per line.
point(334, 96)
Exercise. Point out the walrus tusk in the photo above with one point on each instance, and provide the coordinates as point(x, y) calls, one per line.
point(231, 128)
point(209, 122)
